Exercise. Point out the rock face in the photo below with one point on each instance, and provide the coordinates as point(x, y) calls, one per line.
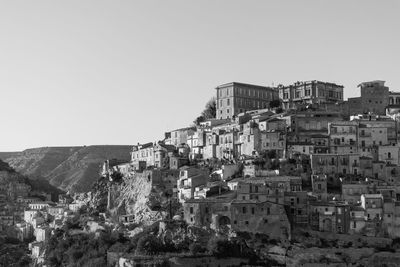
point(68, 168)
point(137, 196)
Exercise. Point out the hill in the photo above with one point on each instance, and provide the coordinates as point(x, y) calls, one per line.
point(68, 168)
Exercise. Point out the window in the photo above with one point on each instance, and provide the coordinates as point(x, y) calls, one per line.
point(227, 111)
point(191, 210)
point(268, 211)
point(244, 210)
point(228, 102)
point(252, 210)
point(206, 209)
point(247, 222)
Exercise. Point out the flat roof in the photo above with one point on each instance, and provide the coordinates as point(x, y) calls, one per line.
point(375, 81)
point(243, 84)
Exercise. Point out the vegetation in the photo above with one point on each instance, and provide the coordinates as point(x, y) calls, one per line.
point(237, 247)
point(69, 248)
point(275, 103)
point(209, 112)
point(13, 252)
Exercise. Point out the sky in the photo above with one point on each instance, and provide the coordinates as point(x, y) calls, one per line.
point(91, 72)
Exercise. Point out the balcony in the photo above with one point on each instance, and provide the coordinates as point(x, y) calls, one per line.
point(365, 134)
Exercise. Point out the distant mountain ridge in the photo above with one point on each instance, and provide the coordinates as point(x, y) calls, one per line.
point(68, 168)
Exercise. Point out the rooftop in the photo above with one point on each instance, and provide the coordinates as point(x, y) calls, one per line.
point(372, 195)
point(243, 84)
point(380, 82)
point(312, 81)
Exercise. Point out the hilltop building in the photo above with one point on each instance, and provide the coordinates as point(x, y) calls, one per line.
point(234, 98)
point(310, 92)
point(374, 99)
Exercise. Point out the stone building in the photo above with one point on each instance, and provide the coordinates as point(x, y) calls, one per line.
point(394, 98)
point(250, 139)
point(357, 219)
point(296, 205)
point(260, 217)
point(180, 136)
point(352, 191)
point(234, 98)
point(307, 131)
point(150, 154)
point(320, 187)
point(331, 217)
point(343, 137)
point(310, 92)
point(374, 99)
point(391, 218)
point(239, 215)
point(196, 141)
point(389, 154)
point(373, 206)
point(189, 179)
point(270, 189)
point(335, 165)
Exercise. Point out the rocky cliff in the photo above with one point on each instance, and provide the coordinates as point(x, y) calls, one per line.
point(134, 195)
point(138, 197)
point(72, 169)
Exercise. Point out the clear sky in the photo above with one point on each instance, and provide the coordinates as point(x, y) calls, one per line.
point(121, 72)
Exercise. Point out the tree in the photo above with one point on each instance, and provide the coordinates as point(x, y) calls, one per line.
point(275, 103)
point(148, 244)
point(220, 247)
point(209, 112)
point(196, 248)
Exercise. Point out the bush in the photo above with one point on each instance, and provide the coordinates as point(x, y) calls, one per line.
point(196, 248)
point(149, 245)
point(219, 247)
point(132, 226)
point(119, 247)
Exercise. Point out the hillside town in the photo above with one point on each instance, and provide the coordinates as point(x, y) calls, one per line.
point(272, 161)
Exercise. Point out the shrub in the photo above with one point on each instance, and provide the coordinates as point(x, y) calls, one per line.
point(196, 248)
point(219, 247)
point(148, 244)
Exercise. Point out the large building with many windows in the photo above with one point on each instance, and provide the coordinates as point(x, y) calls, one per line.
point(234, 98)
point(310, 92)
point(375, 97)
